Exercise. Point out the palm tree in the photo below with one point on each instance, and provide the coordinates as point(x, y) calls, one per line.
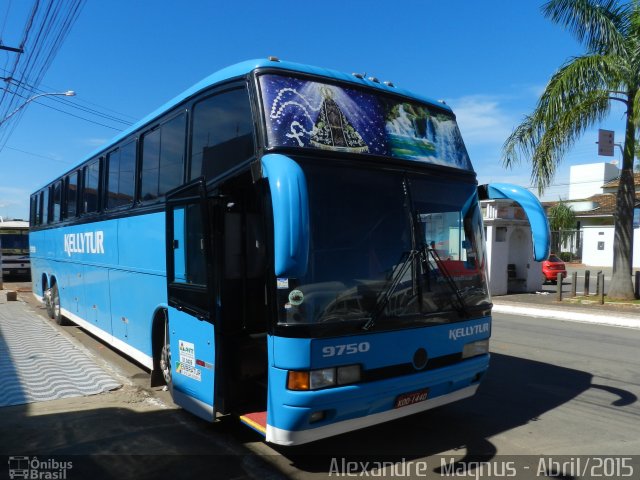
point(578, 97)
point(562, 220)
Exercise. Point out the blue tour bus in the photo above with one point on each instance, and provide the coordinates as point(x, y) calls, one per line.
point(296, 246)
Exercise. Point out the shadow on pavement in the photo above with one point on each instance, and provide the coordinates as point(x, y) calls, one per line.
point(515, 392)
point(123, 443)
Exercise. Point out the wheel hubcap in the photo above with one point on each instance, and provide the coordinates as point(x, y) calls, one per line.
point(165, 364)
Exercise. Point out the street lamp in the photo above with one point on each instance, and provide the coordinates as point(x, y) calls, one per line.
point(68, 93)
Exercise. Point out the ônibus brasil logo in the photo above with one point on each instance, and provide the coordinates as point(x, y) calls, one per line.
point(34, 468)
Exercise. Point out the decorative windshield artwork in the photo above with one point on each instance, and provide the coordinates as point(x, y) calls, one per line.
point(309, 114)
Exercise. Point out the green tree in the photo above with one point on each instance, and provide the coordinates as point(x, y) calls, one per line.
point(578, 97)
point(562, 222)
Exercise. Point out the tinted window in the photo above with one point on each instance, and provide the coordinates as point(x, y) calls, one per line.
point(33, 213)
point(91, 187)
point(44, 206)
point(71, 195)
point(120, 180)
point(57, 202)
point(127, 177)
point(150, 165)
point(172, 138)
point(163, 158)
point(222, 133)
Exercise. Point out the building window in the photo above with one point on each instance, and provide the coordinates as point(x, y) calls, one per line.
point(222, 133)
point(501, 234)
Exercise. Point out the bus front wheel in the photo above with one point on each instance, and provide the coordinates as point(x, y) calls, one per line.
point(165, 356)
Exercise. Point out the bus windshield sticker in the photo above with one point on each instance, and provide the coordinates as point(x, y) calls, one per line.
point(296, 297)
point(282, 283)
point(311, 114)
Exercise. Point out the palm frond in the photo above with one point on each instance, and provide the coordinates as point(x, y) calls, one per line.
point(600, 24)
point(544, 138)
point(577, 79)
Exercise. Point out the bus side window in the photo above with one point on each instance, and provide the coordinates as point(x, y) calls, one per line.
point(33, 212)
point(163, 158)
point(57, 201)
point(121, 165)
point(91, 187)
point(188, 246)
point(71, 196)
point(44, 206)
point(222, 133)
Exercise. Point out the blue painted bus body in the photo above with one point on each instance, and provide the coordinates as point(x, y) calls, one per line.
point(110, 277)
point(112, 280)
point(363, 404)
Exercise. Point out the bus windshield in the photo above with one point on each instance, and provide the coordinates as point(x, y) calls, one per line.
point(310, 114)
point(364, 226)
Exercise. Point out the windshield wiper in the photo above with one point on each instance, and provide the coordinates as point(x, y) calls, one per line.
point(462, 307)
point(385, 296)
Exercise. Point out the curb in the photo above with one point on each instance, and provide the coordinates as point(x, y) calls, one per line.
point(568, 315)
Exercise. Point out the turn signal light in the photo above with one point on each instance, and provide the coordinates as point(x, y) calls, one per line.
point(298, 380)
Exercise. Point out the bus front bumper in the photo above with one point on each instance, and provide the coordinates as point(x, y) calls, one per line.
point(352, 407)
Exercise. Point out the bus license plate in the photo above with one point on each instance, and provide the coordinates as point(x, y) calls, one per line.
point(407, 399)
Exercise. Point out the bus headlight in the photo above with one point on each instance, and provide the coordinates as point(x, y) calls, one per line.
point(323, 378)
point(475, 348)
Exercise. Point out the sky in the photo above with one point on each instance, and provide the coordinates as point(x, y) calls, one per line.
point(488, 60)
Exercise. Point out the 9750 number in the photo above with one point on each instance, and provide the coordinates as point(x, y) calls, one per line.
point(345, 349)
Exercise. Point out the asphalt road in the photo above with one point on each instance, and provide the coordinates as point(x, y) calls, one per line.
point(555, 388)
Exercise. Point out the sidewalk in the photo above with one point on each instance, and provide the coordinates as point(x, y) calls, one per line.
point(545, 304)
point(38, 363)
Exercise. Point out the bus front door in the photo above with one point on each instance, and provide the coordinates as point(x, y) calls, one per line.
point(190, 330)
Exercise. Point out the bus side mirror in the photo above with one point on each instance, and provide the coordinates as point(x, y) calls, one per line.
point(290, 205)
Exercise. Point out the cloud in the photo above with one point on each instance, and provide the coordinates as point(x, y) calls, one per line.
point(482, 119)
point(14, 202)
point(95, 142)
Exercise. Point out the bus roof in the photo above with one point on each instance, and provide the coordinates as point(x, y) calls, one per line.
point(243, 68)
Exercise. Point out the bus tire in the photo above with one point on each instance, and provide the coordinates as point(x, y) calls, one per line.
point(165, 355)
point(56, 311)
point(47, 302)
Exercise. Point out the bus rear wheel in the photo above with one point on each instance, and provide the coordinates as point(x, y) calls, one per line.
point(53, 306)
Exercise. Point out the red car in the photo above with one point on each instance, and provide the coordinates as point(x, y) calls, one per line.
point(551, 267)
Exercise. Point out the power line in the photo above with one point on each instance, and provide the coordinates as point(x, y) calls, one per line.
point(46, 29)
point(74, 105)
point(77, 116)
point(46, 157)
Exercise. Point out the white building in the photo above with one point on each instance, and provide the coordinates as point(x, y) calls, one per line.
point(595, 210)
point(511, 266)
point(586, 180)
